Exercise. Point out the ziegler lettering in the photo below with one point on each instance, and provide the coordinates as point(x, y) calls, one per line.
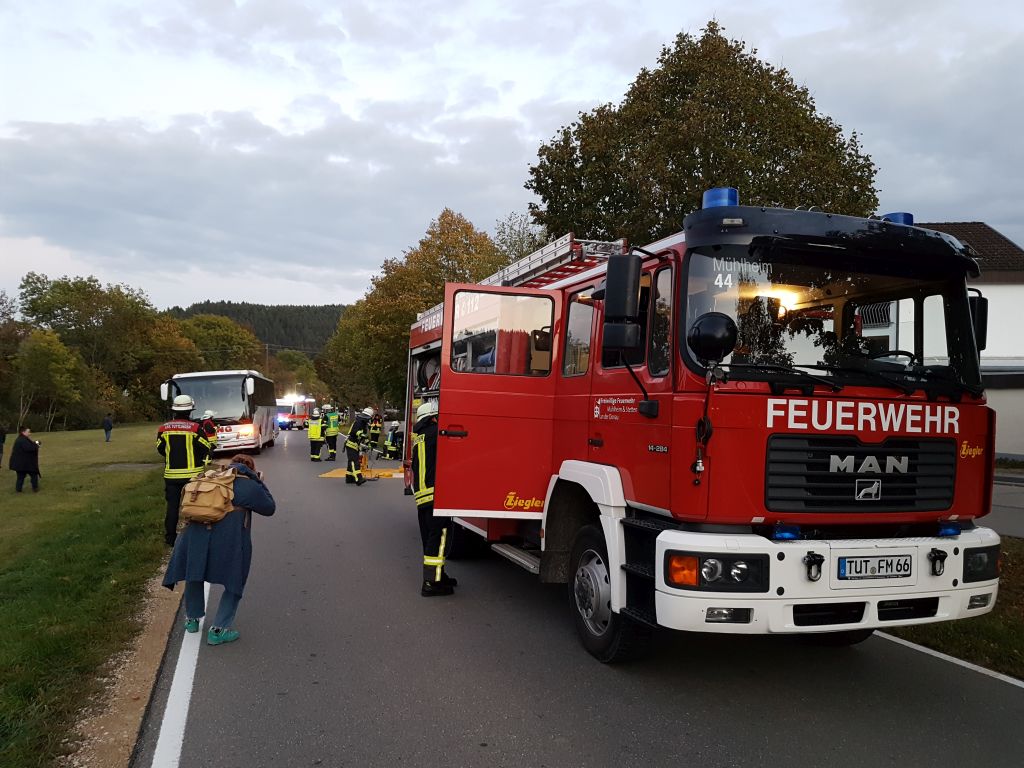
point(968, 451)
point(515, 501)
point(860, 416)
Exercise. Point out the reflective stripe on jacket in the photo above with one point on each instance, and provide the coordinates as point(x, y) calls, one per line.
point(314, 429)
point(424, 461)
point(183, 447)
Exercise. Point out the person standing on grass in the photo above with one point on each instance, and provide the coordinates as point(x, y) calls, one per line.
point(220, 553)
point(108, 427)
point(3, 439)
point(25, 459)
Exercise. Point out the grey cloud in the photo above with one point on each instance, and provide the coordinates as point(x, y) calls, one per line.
point(229, 192)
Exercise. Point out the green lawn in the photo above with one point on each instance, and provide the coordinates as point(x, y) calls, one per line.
point(995, 640)
point(74, 559)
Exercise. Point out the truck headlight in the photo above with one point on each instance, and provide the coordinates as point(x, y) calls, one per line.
point(717, 572)
point(981, 563)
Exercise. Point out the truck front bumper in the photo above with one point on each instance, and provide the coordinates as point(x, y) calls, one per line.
point(794, 603)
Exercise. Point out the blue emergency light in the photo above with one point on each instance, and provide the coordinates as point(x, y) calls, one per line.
point(899, 217)
point(949, 528)
point(784, 532)
point(721, 196)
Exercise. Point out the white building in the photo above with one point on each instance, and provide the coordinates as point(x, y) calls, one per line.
point(1002, 361)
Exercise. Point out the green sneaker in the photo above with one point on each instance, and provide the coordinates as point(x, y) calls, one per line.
point(192, 625)
point(218, 636)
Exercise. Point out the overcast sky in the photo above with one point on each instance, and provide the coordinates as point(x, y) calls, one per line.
point(278, 152)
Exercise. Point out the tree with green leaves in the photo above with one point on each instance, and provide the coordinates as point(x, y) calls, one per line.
point(45, 374)
point(367, 355)
point(517, 236)
point(223, 343)
point(710, 114)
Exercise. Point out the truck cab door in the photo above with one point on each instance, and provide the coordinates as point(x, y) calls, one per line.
point(496, 407)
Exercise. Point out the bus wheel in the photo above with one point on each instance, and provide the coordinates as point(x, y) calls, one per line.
point(607, 636)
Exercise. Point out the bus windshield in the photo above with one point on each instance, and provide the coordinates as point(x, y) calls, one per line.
point(224, 395)
point(827, 311)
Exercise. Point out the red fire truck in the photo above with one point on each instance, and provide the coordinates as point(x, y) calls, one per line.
point(770, 422)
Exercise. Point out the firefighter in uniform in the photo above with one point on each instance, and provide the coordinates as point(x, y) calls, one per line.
point(376, 427)
point(185, 448)
point(331, 427)
point(434, 531)
point(209, 429)
point(356, 436)
point(393, 442)
point(316, 440)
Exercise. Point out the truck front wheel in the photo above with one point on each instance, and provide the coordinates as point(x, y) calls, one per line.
point(607, 636)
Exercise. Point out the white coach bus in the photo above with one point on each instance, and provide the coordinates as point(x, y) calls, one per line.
point(242, 402)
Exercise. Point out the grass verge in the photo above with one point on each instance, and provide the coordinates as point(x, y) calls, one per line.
point(995, 640)
point(74, 560)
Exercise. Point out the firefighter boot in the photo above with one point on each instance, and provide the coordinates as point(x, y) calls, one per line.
point(449, 580)
point(436, 589)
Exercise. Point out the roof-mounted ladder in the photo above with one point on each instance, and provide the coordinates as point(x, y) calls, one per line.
point(559, 258)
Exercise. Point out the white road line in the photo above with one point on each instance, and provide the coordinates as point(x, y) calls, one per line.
point(953, 659)
point(172, 727)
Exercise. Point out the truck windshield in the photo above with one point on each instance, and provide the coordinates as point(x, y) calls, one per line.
point(223, 395)
point(851, 319)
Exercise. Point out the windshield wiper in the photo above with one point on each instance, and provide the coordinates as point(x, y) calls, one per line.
point(868, 372)
point(774, 367)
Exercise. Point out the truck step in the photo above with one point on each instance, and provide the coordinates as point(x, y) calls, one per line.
point(520, 557)
point(649, 524)
point(640, 615)
point(639, 569)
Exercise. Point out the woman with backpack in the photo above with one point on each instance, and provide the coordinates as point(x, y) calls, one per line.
point(220, 553)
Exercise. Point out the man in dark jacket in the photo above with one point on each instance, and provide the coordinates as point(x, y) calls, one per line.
point(25, 459)
point(108, 427)
point(434, 531)
point(3, 439)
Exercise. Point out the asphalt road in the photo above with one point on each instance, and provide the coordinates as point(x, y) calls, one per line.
point(342, 663)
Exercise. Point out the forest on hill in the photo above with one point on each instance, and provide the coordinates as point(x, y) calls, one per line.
point(285, 326)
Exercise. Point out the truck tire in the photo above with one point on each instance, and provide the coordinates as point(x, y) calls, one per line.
point(608, 636)
point(841, 639)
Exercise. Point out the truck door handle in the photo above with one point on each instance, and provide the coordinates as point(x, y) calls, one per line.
point(597, 442)
point(454, 433)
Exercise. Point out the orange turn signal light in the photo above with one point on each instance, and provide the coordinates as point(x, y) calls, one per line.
point(682, 570)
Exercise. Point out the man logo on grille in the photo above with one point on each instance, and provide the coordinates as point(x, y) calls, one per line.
point(868, 490)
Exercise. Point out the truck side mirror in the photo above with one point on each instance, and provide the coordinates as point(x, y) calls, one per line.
point(164, 391)
point(712, 336)
point(250, 385)
point(979, 319)
point(622, 303)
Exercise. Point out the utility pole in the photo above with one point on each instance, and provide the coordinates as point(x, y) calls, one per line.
point(266, 360)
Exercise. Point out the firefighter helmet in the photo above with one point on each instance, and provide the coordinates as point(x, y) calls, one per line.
point(183, 403)
point(429, 408)
point(207, 414)
point(367, 412)
point(328, 407)
point(316, 413)
point(395, 425)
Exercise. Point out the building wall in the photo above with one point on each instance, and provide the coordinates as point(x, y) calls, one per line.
point(1005, 317)
point(1009, 407)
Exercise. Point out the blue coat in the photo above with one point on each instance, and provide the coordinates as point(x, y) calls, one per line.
point(221, 553)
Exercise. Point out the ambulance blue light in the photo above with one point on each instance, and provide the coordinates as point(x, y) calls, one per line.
point(900, 217)
point(721, 196)
point(785, 532)
point(949, 529)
